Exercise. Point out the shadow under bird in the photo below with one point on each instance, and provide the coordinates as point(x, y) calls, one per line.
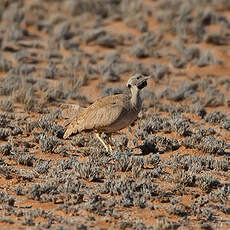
point(109, 114)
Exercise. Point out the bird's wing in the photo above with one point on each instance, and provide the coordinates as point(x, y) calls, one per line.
point(70, 111)
point(102, 117)
point(101, 113)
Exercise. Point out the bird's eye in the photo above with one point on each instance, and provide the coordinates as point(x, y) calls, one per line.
point(129, 86)
point(138, 77)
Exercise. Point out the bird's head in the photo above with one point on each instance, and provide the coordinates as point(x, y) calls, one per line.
point(138, 80)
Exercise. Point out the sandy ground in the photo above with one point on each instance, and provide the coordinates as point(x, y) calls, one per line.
point(169, 169)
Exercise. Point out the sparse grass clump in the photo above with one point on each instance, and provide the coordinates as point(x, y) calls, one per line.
point(207, 144)
point(207, 58)
point(48, 144)
point(9, 84)
point(215, 117)
point(212, 145)
point(166, 224)
point(181, 125)
point(7, 105)
point(50, 127)
point(42, 166)
point(4, 133)
point(208, 183)
point(25, 159)
point(159, 144)
point(5, 65)
point(55, 94)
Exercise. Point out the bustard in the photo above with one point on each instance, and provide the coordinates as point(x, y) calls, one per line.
point(110, 114)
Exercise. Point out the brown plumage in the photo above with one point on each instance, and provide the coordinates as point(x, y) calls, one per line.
point(70, 111)
point(104, 115)
point(112, 113)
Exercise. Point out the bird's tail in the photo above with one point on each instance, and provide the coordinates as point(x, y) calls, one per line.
point(71, 129)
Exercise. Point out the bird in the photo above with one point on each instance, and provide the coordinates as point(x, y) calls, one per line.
point(70, 111)
point(111, 113)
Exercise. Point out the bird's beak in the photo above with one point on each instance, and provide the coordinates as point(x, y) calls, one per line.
point(146, 78)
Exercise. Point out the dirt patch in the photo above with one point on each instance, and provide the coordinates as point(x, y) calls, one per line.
point(169, 169)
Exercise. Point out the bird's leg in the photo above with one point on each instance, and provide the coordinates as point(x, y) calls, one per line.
point(102, 141)
point(109, 142)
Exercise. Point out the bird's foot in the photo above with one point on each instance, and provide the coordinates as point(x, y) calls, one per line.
point(110, 149)
point(107, 147)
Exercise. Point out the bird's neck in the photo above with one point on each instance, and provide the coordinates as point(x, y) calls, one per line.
point(135, 98)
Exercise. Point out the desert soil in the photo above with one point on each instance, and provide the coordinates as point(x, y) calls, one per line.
point(170, 169)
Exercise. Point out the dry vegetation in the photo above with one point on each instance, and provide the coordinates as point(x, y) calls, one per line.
point(170, 169)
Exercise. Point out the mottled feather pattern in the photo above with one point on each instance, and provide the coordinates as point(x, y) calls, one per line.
point(102, 113)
